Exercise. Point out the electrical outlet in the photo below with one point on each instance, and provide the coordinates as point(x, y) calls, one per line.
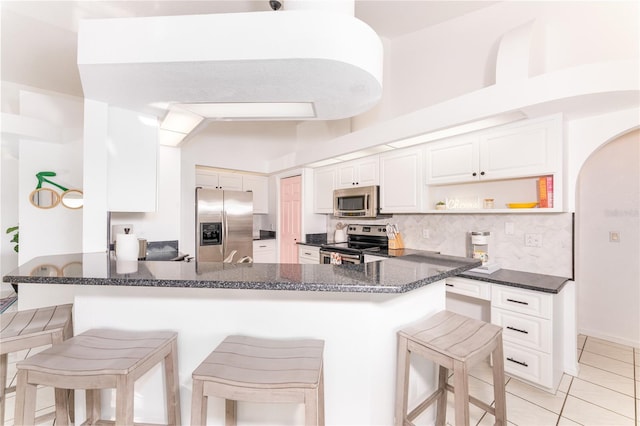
point(533, 240)
point(614, 237)
point(509, 229)
point(425, 233)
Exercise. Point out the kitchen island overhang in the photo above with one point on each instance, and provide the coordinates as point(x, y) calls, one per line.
point(395, 275)
point(357, 316)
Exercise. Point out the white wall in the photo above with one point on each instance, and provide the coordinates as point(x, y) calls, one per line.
point(458, 56)
point(9, 196)
point(56, 230)
point(608, 273)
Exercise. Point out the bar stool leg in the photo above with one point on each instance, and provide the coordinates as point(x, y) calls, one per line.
point(461, 386)
point(124, 400)
point(198, 403)
point(25, 401)
point(62, 407)
point(311, 407)
point(321, 398)
point(441, 406)
point(172, 385)
point(498, 384)
point(230, 412)
point(402, 381)
point(3, 388)
point(94, 406)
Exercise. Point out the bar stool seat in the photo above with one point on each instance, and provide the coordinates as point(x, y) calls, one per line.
point(455, 342)
point(253, 369)
point(99, 359)
point(29, 329)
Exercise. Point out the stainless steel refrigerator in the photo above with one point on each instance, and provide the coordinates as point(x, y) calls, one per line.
point(224, 226)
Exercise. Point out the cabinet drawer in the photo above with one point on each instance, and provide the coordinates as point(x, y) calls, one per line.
point(523, 301)
point(530, 365)
point(264, 245)
point(472, 288)
point(525, 330)
point(308, 254)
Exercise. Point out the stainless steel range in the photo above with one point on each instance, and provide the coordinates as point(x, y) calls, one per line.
point(361, 239)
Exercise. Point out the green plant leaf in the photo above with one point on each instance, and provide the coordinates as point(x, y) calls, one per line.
point(12, 229)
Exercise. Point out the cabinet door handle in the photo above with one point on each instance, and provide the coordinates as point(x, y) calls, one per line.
point(481, 173)
point(474, 174)
point(307, 253)
point(448, 285)
point(517, 301)
point(517, 329)
point(524, 364)
point(262, 246)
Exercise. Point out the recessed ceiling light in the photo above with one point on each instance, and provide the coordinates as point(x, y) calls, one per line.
point(180, 120)
point(252, 110)
point(169, 138)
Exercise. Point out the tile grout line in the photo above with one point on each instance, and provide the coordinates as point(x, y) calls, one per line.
point(566, 396)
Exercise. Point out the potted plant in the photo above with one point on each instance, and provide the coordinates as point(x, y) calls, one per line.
point(440, 205)
point(15, 238)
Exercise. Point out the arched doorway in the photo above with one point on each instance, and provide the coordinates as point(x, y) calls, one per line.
point(608, 241)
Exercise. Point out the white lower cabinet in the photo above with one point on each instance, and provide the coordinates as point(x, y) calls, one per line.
point(264, 251)
point(532, 333)
point(309, 255)
point(470, 288)
point(532, 328)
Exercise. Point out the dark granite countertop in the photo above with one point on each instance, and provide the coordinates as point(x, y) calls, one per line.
point(396, 275)
point(311, 244)
point(525, 280)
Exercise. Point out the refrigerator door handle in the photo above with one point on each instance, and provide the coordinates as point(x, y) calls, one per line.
point(225, 227)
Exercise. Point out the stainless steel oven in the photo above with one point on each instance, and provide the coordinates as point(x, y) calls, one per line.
point(361, 239)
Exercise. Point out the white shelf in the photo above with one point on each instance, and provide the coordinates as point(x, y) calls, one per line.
point(495, 211)
point(517, 190)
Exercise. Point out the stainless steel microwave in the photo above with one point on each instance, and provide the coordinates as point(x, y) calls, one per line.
point(357, 202)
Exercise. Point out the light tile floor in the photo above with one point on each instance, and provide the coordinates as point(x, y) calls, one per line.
point(605, 392)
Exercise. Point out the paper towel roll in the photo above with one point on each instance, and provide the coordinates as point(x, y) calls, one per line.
point(127, 247)
point(126, 266)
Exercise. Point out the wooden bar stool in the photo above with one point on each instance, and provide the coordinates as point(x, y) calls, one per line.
point(261, 370)
point(455, 342)
point(30, 329)
point(99, 359)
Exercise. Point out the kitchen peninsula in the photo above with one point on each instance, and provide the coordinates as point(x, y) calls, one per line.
point(356, 309)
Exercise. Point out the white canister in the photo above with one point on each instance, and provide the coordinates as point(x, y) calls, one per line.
point(127, 247)
point(339, 236)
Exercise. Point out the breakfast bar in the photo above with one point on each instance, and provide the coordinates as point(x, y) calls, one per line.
point(355, 309)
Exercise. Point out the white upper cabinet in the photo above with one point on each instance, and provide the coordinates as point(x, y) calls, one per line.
point(259, 186)
point(453, 160)
point(131, 162)
point(362, 172)
point(218, 180)
point(401, 181)
point(324, 182)
point(523, 149)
